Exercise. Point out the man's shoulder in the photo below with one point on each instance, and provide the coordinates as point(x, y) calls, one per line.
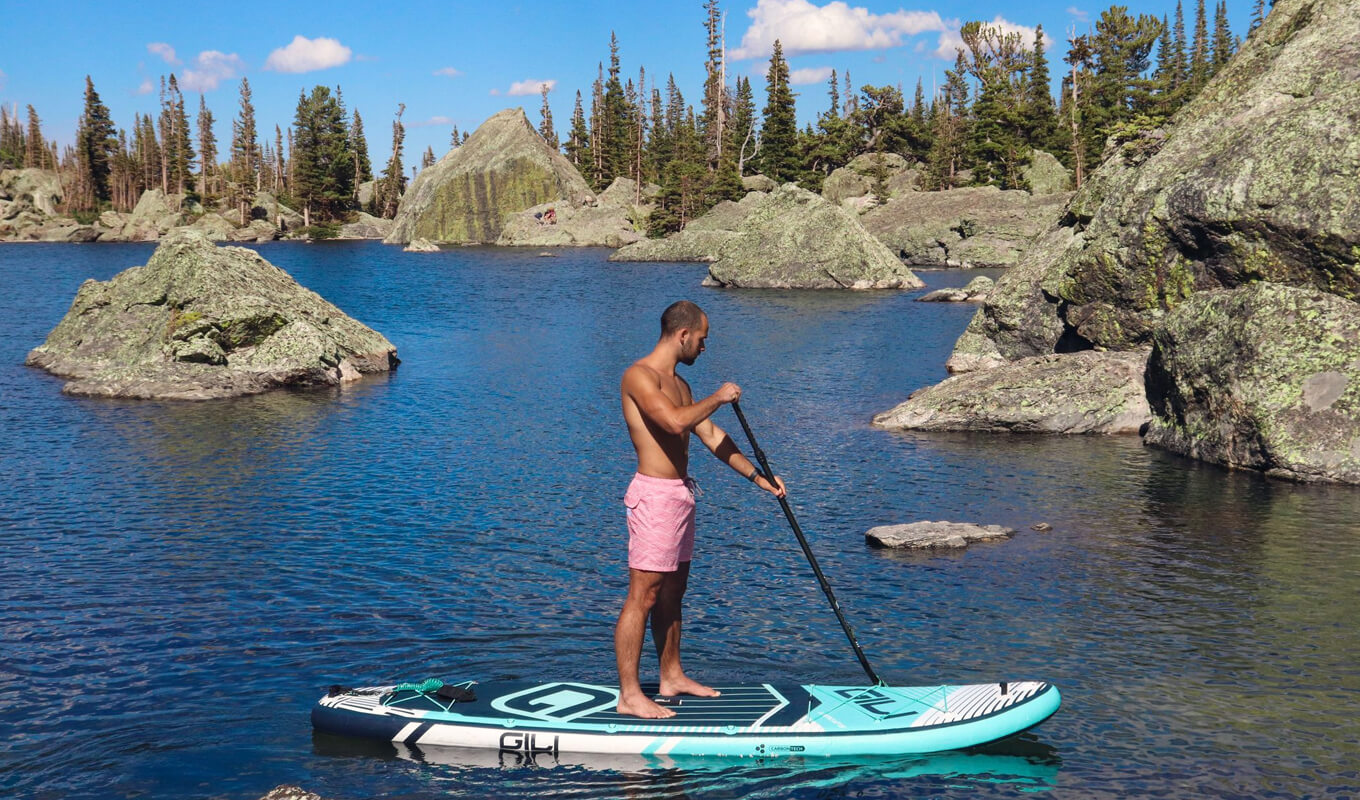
point(641, 372)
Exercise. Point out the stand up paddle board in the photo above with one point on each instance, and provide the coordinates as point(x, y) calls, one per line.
point(749, 720)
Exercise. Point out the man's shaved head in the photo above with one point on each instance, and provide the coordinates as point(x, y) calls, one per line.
point(680, 314)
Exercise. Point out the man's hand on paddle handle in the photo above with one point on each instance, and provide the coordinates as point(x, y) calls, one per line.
point(728, 393)
point(777, 491)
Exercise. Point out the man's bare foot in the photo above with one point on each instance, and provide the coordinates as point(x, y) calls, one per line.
point(642, 706)
point(683, 685)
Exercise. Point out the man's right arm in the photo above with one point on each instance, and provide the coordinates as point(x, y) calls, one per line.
point(645, 389)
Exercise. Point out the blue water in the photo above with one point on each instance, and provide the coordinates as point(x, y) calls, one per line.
point(179, 582)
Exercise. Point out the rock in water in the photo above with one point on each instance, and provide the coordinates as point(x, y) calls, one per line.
point(504, 167)
point(931, 535)
point(421, 245)
point(199, 321)
point(787, 239)
point(1264, 377)
point(975, 292)
point(1034, 395)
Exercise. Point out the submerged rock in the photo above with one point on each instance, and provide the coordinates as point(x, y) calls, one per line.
point(974, 227)
point(199, 321)
point(1264, 377)
point(1087, 392)
point(975, 292)
point(788, 239)
point(931, 535)
point(503, 168)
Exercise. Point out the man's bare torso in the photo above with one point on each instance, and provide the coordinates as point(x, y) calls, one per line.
point(660, 454)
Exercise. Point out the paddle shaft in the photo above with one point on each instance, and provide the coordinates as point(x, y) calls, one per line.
point(807, 550)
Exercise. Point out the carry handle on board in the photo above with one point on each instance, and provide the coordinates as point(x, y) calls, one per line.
point(807, 550)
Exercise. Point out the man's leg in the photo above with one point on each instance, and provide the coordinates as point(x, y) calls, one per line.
point(643, 590)
point(666, 623)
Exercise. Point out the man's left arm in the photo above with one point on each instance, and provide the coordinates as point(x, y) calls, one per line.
point(725, 450)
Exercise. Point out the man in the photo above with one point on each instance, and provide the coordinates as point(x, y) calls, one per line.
point(661, 413)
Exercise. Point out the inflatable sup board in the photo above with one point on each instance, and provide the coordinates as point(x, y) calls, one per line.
point(750, 720)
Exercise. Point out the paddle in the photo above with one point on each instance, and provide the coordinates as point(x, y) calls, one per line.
point(807, 550)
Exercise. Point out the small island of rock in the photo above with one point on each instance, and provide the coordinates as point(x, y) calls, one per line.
point(200, 321)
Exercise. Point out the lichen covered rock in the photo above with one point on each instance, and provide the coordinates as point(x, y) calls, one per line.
point(199, 321)
point(974, 227)
point(613, 220)
point(1086, 392)
point(1263, 377)
point(787, 239)
point(504, 167)
point(1046, 175)
point(1255, 180)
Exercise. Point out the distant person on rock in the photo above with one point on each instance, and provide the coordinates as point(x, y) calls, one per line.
point(660, 413)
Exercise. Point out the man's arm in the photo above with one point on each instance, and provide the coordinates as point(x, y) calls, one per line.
point(725, 450)
point(643, 386)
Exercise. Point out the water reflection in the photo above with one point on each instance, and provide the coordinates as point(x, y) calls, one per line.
point(1021, 763)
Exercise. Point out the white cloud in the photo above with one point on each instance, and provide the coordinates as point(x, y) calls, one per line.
point(1081, 16)
point(449, 72)
point(210, 69)
point(146, 86)
point(802, 27)
point(308, 55)
point(432, 121)
point(801, 77)
point(527, 87)
point(165, 51)
point(951, 42)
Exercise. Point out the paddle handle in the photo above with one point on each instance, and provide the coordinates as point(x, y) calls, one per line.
point(807, 550)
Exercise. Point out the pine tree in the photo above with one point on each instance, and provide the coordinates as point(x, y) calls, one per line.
point(323, 175)
point(617, 122)
point(997, 145)
point(207, 149)
point(1258, 15)
point(244, 171)
point(177, 153)
point(833, 89)
point(744, 130)
point(455, 141)
point(12, 146)
point(387, 192)
point(578, 140)
point(1223, 38)
point(778, 135)
point(96, 142)
point(363, 168)
point(1041, 121)
point(280, 169)
point(1199, 52)
point(682, 188)
point(714, 120)
point(545, 126)
point(949, 128)
point(35, 146)
point(427, 160)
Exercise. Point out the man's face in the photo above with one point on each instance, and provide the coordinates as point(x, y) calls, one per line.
point(692, 342)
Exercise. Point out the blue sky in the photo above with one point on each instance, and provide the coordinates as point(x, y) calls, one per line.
point(458, 63)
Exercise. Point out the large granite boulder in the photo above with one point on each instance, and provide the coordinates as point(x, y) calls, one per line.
point(857, 178)
point(613, 220)
point(974, 227)
point(974, 292)
point(787, 239)
point(365, 226)
point(758, 183)
point(199, 321)
point(215, 226)
point(1034, 395)
point(1045, 174)
point(1263, 377)
point(156, 213)
point(265, 206)
point(504, 167)
point(36, 189)
point(1255, 180)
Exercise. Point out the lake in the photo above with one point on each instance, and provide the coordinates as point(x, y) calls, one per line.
point(179, 582)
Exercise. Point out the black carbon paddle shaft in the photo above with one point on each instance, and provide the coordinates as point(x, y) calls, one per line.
point(807, 550)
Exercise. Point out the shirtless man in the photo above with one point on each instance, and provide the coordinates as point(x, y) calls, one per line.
point(661, 412)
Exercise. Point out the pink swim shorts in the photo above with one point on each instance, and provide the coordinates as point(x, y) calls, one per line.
point(660, 522)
